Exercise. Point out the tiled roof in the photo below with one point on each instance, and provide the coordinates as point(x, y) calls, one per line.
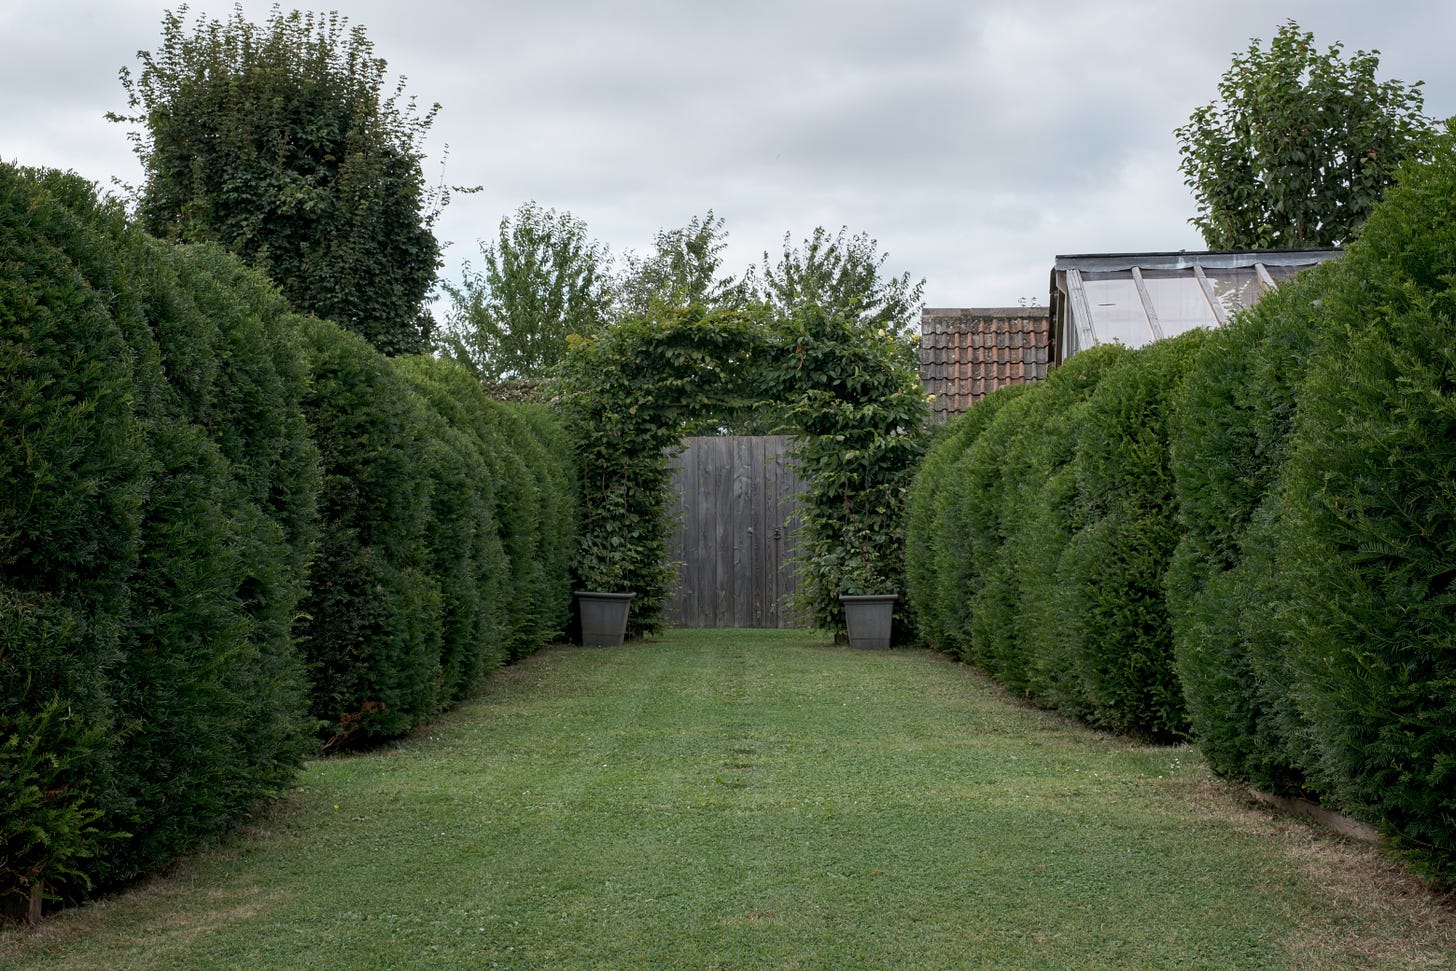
point(965, 354)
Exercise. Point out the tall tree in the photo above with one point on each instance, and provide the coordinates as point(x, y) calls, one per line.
point(279, 142)
point(1301, 146)
point(685, 268)
point(842, 276)
point(544, 279)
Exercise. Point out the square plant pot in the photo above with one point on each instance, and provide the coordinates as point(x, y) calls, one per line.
point(603, 617)
point(867, 618)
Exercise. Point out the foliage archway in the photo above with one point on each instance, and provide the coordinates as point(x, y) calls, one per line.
point(850, 393)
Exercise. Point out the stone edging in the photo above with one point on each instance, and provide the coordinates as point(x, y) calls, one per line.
point(1331, 820)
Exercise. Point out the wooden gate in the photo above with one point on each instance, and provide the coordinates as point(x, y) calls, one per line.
point(737, 519)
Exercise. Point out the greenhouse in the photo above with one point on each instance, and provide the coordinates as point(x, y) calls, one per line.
point(1137, 298)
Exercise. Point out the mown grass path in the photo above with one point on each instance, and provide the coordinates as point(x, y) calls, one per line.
point(759, 800)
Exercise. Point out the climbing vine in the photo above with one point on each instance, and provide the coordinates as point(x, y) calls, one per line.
point(860, 411)
point(851, 392)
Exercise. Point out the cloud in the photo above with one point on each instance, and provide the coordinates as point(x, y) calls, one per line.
point(975, 141)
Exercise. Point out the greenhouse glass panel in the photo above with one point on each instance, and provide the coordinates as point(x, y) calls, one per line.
point(1136, 298)
point(1179, 300)
point(1117, 311)
point(1235, 287)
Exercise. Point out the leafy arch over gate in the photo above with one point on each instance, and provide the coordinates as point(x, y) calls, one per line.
point(849, 390)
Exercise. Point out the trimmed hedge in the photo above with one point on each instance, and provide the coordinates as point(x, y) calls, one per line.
point(1113, 613)
point(162, 673)
point(1314, 580)
point(1046, 514)
point(972, 518)
point(1367, 525)
point(72, 458)
point(183, 457)
point(537, 518)
point(1247, 534)
point(371, 636)
point(937, 561)
point(1225, 584)
point(1036, 510)
point(463, 537)
point(227, 536)
point(528, 490)
point(444, 518)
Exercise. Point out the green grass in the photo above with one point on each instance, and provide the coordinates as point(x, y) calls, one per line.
point(759, 800)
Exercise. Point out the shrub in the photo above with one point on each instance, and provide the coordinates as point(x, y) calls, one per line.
point(464, 555)
point(541, 514)
point(209, 685)
point(1047, 522)
point(854, 397)
point(985, 477)
point(230, 350)
point(924, 541)
point(149, 587)
point(371, 636)
point(1034, 526)
point(527, 497)
point(73, 461)
point(49, 829)
point(1113, 615)
point(1224, 588)
point(1370, 520)
point(938, 563)
point(630, 395)
point(558, 518)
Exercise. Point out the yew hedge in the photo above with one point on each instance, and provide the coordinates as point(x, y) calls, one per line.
point(1058, 518)
point(1225, 583)
point(229, 535)
point(1366, 526)
point(1247, 535)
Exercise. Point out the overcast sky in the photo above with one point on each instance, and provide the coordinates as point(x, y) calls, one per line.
point(974, 139)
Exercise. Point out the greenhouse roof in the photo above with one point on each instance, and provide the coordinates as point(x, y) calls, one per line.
point(1137, 298)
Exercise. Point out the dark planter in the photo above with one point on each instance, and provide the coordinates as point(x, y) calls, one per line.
point(867, 619)
point(603, 617)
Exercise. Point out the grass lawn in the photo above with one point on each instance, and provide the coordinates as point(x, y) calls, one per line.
point(737, 799)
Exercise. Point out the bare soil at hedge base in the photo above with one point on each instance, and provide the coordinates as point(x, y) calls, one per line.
point(735, 800)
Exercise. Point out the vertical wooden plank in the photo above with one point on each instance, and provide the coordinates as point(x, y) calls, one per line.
point(705, 580)
point(787, 575)
point(760, 530)
point(692, 536)
point(782, 483)
point(719, 590)
point(743, 531)
point(772, 533)
point(763, 542)
point(676, 548)
point(789, 514)
point(737, 500)
point(707, 574)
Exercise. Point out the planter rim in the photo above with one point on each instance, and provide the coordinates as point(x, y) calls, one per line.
point(604, 596)
point(868, 597)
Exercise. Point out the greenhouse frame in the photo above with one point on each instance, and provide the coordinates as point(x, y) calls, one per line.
point(1137, 298)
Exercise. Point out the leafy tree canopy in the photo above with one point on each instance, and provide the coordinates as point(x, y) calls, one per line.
point(839, 275)
point(685, 268)
point(544, 278)
point(279, 142)
point(1300, 147)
